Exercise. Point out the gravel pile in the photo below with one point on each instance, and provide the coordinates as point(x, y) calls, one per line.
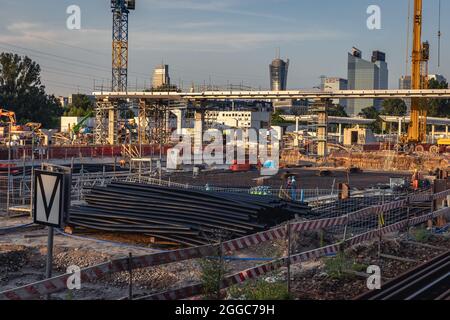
point(13, 259)
point(78, 257)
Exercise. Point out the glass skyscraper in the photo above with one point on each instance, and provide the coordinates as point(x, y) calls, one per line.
point(366, 75)
point(278, 75)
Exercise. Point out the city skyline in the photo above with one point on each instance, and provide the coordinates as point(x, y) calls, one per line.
point(211, 41)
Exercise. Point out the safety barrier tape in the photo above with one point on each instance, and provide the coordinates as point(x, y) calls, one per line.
point(92, 273)
point(255, 239)
point(56, 284)
point(240, 277)
point(420, 197)
point(441, 195)
point(253, 273)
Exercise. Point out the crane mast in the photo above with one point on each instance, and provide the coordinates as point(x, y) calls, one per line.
point(417, 132)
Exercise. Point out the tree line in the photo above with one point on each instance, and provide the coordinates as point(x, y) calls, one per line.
point(22, 92)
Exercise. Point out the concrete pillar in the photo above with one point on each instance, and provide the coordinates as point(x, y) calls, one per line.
point(446, 131)
point(297, 120)
point(113, 116)
point(179, 113)
point(399, 127)
point(341, 134)
point(198, 137)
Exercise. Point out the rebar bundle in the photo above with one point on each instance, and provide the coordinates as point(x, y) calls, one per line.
point(188, 217)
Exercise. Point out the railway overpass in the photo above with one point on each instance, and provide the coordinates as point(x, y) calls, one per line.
point(274, 95)
point(155, 106)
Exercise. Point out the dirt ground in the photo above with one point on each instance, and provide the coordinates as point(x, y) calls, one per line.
point(318, 283)
point(22, 261)
point(23, 256)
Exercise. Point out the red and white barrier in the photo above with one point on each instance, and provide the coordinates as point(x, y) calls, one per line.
point(56, 284)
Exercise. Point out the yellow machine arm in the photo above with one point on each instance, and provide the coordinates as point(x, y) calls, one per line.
point(417, 132)
point(10, 115)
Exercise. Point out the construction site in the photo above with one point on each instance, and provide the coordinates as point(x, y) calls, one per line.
point(199, 195)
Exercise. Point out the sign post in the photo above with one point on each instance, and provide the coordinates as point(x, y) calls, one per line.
point(50, 203)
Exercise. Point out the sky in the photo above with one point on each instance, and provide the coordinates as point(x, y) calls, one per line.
point(214, 41)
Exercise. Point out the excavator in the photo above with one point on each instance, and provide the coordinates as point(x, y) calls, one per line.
point(8, 114)
point(23, 131)
point(10, 123)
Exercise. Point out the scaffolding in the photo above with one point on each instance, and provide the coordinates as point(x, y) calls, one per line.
point(318, 127)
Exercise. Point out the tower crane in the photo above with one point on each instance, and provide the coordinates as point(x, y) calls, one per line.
point(417, 132)
point(120, 10)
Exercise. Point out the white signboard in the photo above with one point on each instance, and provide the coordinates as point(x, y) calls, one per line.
point(48, 198)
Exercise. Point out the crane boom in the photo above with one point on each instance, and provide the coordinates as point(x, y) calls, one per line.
point(10, 115)
point(417, 131)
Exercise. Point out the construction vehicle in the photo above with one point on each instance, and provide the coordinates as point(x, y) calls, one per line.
point(417, 131)
point(10, 115)
point(80, 125)
point(6, 130)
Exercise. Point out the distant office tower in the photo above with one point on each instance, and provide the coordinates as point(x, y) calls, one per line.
point(437, 77)
point(404, 83)
point(336, 84)
point(278, 75)
point(366, 75)
point(161, 76)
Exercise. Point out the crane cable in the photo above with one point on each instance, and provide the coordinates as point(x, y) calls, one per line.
point(408, 38)
point(439, 37)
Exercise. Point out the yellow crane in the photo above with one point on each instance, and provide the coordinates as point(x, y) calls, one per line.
point(417, 132)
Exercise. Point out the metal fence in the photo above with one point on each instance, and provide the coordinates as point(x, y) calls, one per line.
point(17, 197)
point(296, 238)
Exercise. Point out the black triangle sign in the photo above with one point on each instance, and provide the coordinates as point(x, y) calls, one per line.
point(48, 205)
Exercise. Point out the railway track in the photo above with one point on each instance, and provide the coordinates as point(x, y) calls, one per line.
point(429, 281)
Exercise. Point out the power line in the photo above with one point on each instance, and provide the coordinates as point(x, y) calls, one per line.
point(71, 60)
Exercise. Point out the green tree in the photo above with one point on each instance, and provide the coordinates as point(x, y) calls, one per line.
point(277, 120)
point(394, 107)
point(81, 106)
point(21, 91)
point(372, 113)
point(438, 107)
point(338, 111)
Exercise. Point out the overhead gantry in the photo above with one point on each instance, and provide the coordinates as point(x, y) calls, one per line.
point(154, 107)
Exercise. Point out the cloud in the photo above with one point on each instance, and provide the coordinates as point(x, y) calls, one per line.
point(231, 7)
point(179, 37)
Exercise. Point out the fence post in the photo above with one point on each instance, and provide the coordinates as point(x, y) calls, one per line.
point(288, 262)
point(130, 274)
point(221, 268)
point(380, 226)
point(408, 214)
point(430, 222)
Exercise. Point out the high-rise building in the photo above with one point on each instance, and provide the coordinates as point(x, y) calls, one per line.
point(366, 75)
point(336, 84)
point(161, 76)
point(404, 83)
point(278, 74)
point(437, 77)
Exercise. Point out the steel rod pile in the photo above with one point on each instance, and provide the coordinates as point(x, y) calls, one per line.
point(184, 216)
